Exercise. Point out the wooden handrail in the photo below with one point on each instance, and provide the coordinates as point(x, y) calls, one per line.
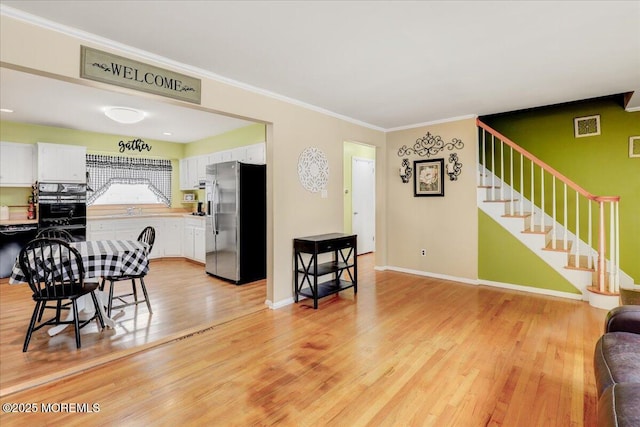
point(545, 166)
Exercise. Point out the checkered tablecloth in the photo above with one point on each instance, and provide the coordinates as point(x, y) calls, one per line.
point(102, 258)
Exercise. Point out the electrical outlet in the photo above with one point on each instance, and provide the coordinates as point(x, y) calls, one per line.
point(423, 252)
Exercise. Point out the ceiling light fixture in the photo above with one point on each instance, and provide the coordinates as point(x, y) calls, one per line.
point(6, 110)
point(124, 114)
point(167, 133)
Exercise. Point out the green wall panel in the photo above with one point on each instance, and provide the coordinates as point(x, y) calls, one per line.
point(502, 258)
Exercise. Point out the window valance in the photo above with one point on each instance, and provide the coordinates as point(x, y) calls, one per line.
point(105, 170)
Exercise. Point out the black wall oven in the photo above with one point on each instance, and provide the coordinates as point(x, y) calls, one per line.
point(63, 205)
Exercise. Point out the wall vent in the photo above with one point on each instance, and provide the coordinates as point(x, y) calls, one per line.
point(586, 126)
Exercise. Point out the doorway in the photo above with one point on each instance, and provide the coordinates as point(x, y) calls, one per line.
point(359, 178)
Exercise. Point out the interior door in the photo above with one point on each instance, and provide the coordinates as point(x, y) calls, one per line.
point(363, 182)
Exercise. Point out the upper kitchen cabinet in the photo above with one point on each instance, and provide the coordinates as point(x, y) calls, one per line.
point(17, 164)
point(62, 163)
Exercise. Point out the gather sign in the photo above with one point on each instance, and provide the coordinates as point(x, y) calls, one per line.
point(108, 68)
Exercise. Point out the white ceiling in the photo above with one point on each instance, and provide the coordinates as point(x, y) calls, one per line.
point(388, 64)
point(49, 102)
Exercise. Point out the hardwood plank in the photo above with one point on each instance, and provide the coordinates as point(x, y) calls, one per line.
point(405, 350)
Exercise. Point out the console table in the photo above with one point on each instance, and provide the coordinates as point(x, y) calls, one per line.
point(343, 268)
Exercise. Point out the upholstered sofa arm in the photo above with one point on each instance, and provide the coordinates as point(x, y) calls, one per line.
point(625, 318)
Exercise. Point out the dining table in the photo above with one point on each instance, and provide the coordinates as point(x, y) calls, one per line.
point(100, 258)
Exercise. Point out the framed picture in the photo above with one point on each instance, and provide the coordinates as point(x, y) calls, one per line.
point(188, 197)
point(428, 178)
point(634, 146)
point(586, 126)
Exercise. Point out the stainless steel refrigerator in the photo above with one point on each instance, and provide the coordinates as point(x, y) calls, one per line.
point(236, 221)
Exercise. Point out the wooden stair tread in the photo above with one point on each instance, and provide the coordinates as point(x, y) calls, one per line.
point(501, 200)
point(517, 215)
point(537, 230)
point(559, 246)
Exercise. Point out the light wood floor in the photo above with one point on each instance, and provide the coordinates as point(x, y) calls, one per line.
point(406, 350)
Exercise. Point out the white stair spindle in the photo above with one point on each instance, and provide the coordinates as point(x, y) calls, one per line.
point(502, 170)
point(533, 205)
point(493, 166)
point(554, 221)
point(484, 159)
point(566, 225)
point(617, 272)
point(577, 258)
point(612, 254)
point(511, 207)
point(521, 185)
point(541, 200)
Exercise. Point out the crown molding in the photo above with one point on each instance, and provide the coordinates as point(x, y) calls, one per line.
point(434, 122)
point(178, 66)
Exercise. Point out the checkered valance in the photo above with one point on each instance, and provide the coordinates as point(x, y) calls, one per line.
point(106, 170)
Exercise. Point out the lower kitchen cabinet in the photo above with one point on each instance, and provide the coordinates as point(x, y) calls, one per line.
point(193, 242)
point(168, 233)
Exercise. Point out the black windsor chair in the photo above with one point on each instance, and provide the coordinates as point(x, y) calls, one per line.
point(54, 271)
point(148, 236)
point(54, 233)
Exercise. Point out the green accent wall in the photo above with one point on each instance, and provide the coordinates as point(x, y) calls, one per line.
point(247, 135)
point(503, 258)
point(351, 150)
point(600, 164)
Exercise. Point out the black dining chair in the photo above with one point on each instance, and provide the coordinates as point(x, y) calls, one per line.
point(54, 271)
point(55, 233)
point(148, 236)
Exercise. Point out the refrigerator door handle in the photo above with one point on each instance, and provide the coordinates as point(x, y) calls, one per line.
point(214, 216)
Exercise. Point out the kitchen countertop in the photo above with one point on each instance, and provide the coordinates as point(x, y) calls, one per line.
point(18, 221)
point(125, 216)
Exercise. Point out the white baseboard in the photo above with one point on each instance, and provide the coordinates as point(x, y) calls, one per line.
point(283, 303)
point(533, 290)
point(429, 274)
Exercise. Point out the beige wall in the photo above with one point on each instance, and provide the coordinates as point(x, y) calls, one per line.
point(293, 211)
point(447, 227)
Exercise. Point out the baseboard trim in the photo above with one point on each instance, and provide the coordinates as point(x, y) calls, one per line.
point(532, 290)
point(429, 274)
point(282, 303)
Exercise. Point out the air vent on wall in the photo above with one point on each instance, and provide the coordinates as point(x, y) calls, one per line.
point(586, 126)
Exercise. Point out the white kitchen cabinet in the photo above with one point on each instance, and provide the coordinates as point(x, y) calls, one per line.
point(61, 163)
point(169, 231)
point(17, 164)
point(255, 154)
point(199, 244)
point(100, 230)
point(171, 237)
point(193, 243)
point(193, 169)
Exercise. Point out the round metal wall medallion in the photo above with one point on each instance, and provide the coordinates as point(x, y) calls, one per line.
point(313, 169)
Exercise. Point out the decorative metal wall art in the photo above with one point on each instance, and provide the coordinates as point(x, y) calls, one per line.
point(313, 169)
point(454, 168)
point(405, 171)
point(430, 145)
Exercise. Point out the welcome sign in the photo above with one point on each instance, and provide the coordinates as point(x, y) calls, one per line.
point(113, 69)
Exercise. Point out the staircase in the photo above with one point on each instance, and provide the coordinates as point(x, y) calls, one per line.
point(555, 218)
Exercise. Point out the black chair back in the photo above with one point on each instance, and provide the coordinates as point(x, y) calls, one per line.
point(53, 269)
point(55, 233)
point(148, 236)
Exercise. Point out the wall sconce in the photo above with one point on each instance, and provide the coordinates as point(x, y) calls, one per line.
point(454, 167)
point(405, 171)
